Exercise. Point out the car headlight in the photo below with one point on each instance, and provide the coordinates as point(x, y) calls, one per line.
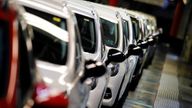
point(91, 82)
point(115, 70)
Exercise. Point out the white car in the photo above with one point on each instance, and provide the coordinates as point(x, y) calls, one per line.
point(93, 48)
point(139, 32)
point(113, 39)
point(152, 35)
point(58, 50)
point(133, 58)
point(131, 55)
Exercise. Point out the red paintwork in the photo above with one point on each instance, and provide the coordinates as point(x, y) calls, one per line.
point(52, 101)
point(10, 100)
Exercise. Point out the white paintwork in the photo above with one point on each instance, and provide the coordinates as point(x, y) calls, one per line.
point(114, 81)
point(67, 79)
point(50, 28)
point(82, 8)
point(130, 62)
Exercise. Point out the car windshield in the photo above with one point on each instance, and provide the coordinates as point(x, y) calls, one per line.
point(58, 21)
point(49, 48)
point(4, 57)
point(110, 33)
point(87, 30)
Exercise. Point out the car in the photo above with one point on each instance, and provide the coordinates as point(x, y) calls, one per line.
point(148, 23)
point(140, 36)
point(132, 58)
point(130, 44)
point(17, 67)
point(58, 50)
point(90, 33)
point(84, 13)
point(152, 36)
point(113, 39)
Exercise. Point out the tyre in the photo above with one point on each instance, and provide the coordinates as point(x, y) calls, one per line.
point(134, 83)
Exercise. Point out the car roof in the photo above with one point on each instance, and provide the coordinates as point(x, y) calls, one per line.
point(149, 17)
point(132, 13)
point(81, 7)
point(46, 25)
point(105, 12)
point(55, 7)
point(122, 11)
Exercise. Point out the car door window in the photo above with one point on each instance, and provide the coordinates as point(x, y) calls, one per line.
point(124, 44)
point(56, 20)
point(135, 25)
point(110, 31)
point(102, 43)
point(49, 48)
point(125, 28)
point(78, 55)
point(4, 57)
point(26, 63)
point(87, 31)
point(125, 34)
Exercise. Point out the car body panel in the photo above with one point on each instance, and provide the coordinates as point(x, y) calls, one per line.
point(116, 81)
point(82, 8)
point(77, 92)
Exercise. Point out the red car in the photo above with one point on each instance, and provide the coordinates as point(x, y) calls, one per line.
point(16, 62)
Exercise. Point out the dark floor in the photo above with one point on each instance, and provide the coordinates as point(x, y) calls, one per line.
point(185, 84)
point(164, 84)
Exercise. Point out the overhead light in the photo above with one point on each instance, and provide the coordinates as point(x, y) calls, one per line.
point(185, 1)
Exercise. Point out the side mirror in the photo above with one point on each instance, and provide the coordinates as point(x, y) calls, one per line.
point(151, 41)
point(93, 69)
point(114, 56)
point(134, 50)
point(139, 41)
point(143, 44)
point(160, 30)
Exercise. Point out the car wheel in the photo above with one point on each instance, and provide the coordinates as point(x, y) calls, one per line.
point(123, 98)
point(134, 83)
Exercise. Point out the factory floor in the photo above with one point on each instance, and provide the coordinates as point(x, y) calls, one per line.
point(166, 83)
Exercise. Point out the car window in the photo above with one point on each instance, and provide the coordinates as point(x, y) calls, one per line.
point(134, 31)
point(102, 43)
point(135, 25)
point(110, 33)
point(58, 21)
point(26, 63)
point(124, 44)
point(125, 28)
point(4, 57)
point(49, 48)
point(78, 55)
point(87, 30)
